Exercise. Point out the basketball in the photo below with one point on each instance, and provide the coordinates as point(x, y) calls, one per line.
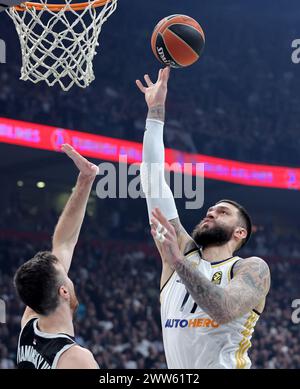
point(178, 41)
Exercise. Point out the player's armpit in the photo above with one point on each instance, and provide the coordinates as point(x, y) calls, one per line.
point(77, 357)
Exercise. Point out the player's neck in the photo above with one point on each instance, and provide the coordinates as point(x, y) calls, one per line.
point(217, 253)
point(60, 321)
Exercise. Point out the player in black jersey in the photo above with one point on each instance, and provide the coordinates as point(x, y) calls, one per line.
point(47, 333)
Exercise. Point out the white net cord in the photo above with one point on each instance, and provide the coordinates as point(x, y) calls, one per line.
point(59, 47)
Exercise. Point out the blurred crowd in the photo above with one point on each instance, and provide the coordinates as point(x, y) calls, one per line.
point(117, 282)
point(118, 316)
point(241, 101)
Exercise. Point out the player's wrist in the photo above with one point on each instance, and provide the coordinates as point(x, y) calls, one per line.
point(84, 179)
point(176, 261)
point(156, 112)
point(179, 260)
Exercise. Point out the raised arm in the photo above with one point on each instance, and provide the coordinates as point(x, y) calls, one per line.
point(155, 187)
point(69, 224)
point(248, 288)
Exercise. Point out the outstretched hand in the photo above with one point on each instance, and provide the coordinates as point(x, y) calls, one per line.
point(155, 94)
point(85, 167)
point(164, 232)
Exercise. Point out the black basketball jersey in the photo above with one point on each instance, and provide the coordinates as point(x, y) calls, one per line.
point(40, 350)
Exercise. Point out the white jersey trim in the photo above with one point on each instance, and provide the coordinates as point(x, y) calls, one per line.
point(22, 329)
point(48, 335)
point(58, 355)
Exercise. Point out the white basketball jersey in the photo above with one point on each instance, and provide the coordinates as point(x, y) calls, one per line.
point(192, 340)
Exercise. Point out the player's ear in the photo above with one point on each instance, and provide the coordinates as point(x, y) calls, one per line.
point(240, 233)
point(63, 292)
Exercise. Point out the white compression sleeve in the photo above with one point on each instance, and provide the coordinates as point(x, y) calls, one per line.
point(157, 191)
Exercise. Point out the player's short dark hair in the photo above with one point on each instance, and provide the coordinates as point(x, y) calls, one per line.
point(37, 282)
point(244, 217)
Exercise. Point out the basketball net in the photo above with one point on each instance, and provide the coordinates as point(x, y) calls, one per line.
point(59, 43)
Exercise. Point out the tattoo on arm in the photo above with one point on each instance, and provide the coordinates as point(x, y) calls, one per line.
point(177, 226)
point(182, 236)
point(247, 289)
point(179, 233)
point(157, 113)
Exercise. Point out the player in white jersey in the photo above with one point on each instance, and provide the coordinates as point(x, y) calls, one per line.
point(210, 298)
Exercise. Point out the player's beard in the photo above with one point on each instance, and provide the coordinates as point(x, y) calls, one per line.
point(214, 236)
point(74, 303)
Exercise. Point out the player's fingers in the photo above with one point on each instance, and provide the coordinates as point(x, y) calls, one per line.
point(159, 75)
point(66, 147)
point(162, 238)
point(161, 215)
point(164, 222)
point(154, 222)
point(95, 168)
point(74, 155)
point(158, 227)
point(148, 80)
point(140, 86)
point(153, 233)
point(163, 227)
point(166, 74)
point(161, 218)
point(156, 236)
point(70, 151)
point(78, 159)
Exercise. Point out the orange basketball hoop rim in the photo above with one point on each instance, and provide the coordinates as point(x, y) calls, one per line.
point(59, 7)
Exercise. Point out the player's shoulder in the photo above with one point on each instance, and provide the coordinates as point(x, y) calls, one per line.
point(251, 262)
point(77, 357)
point(252, 266)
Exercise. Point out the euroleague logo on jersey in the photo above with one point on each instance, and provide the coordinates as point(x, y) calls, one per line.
point(217, 278)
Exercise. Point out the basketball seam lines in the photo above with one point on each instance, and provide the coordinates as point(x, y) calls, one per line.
point(188, 25)
point(177, 36)
point(163, 26)
point(166, 47)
